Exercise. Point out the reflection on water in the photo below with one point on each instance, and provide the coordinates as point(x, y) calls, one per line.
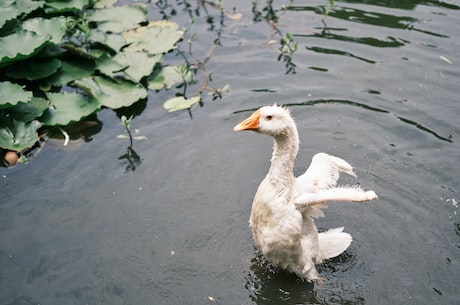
point(267, 284)
point(447, 138)
point(338, 52)
point(130, 160)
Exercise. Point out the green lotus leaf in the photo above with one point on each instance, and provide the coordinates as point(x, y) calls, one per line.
point(56, 27)
point(110, 40)
point(180, 103)
point(34, 68)
point(12, 9)
point(11, 94)
point(118, 94)
point(21, 45)
point(156, 38)
point(72, 69)
point(30, 111)
point(131, 65)
point(89, 86)
point(118, 19)
point(54, 7)
point(104, 3)
point(166, 77)
point(109, 66)
point(68, 107)
point(18, 135)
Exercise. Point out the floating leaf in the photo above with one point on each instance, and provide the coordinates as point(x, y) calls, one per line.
point(118, 19)
point(119, 94)
point(155, 38)
point(35, 68)
point(110, 40)
point(236, 16)
point(104, 3)
point(56, 27)
point(72, 69)
point(68, 107)
point(21, 45)
point(18, 135)
point(108, 66)
point(166, 77)
point(180, 103)
point(89, 86)
point(65, 6)
point(111, 93)
point(11, 94)
point(12, 9)
point(134, 65)
point(27, 112)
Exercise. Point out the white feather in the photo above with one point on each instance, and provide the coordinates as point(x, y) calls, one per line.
point(283, 207)
point(333, 242)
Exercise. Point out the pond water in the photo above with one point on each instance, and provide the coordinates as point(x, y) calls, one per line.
point(376, 83)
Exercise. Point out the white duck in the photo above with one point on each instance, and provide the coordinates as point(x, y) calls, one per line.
point(283, 207)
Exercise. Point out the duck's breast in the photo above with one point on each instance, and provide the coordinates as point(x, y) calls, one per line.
point(276, 225)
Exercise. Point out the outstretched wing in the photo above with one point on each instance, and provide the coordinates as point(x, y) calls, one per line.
point(323, 173)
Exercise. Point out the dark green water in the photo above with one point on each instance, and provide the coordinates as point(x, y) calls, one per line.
point(376, 83)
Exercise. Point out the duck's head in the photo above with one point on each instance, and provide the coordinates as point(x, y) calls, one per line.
point(270, 120)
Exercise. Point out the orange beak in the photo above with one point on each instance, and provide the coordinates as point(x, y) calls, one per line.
point(251, 123)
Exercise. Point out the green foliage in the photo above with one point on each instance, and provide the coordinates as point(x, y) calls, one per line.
point(11, 94)
point(155, 38)
point(18, 135)
point(61, 61)
point(66, 108)
point(181, 103)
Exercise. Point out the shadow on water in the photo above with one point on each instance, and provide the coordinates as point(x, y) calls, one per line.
point(267, 284)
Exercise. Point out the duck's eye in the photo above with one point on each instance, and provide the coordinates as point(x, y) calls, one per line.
point(268, 117)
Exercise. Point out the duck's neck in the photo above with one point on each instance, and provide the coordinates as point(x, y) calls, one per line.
point(285, 150)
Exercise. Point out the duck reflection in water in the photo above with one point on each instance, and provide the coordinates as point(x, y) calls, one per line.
point(268, 284)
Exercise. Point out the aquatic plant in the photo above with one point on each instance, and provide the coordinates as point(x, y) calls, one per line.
point(61, 61)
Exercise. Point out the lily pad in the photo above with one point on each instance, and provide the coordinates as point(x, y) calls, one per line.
point(56, 27)
point(18, 135)
point(34, 69)
point(71, 69)
point(11, 94)
point(132, 65)
point(104, 3)
point(112, 41)
point(180, 103)
point(118, 19)
point(65, 6)
point(12, 9)
point(166, 77)
point(111, 93)
point(119, 94)
point(156, 38)
point(68, 107)
point(21, 45)
point(27, 112)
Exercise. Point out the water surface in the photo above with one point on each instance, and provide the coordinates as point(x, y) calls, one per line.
point(376, 83)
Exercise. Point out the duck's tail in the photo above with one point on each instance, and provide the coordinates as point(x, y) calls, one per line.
point(333, 242)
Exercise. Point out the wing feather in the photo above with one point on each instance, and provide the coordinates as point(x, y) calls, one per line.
point(323, 173)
